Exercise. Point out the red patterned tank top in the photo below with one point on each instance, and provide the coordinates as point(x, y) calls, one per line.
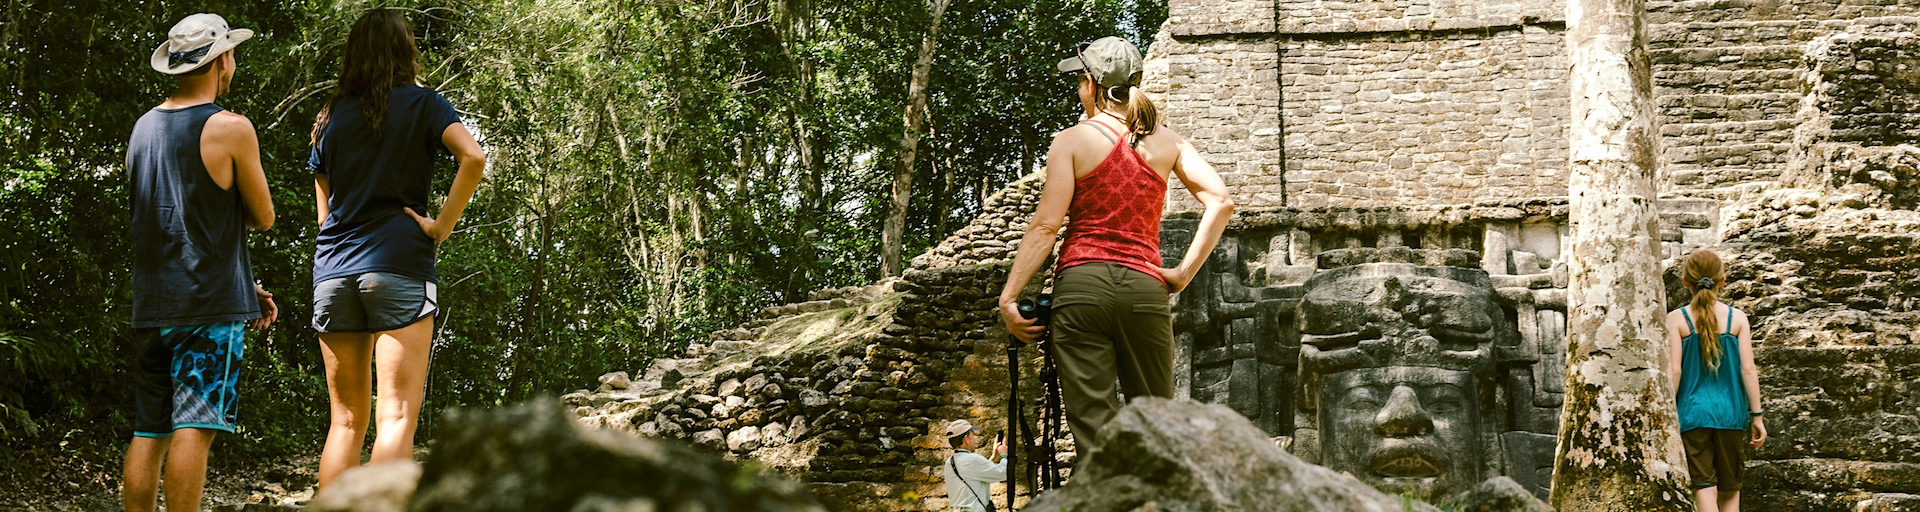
point(1115, 213)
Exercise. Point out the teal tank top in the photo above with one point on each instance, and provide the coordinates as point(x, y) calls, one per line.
point(1710, 398)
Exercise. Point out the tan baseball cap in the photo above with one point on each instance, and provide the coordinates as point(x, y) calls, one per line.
point(959, 427)
point(1111, 60)
point(194, 42)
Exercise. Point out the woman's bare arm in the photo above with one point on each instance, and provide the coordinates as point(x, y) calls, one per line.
point(1206, 186)
point(1037, 244)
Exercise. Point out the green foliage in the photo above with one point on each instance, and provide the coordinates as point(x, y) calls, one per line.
point(658, 171)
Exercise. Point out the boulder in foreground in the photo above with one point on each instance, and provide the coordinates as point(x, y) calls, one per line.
point(533, 457)
point(1179, 455)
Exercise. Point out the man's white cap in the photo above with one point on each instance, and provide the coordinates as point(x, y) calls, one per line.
point(959, 427)
point(194, 42)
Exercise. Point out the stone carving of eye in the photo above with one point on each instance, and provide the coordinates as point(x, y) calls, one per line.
point(1361, 399)
point(1445, 399)
point(1338, 341)
point(1451, 335)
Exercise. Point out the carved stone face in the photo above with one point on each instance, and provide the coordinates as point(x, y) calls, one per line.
point(1403, 428)
point(1394, 350)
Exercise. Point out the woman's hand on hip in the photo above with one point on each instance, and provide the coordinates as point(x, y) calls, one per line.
point(429, 226)
point(1018, 326)
point(1175, 278)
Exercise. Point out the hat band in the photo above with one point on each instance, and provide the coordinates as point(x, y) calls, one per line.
point(175, 59)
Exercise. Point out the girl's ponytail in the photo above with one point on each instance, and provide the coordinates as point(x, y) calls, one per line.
point(1703, 273)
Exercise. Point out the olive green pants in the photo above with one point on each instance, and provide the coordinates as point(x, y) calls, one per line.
point(1112, 330)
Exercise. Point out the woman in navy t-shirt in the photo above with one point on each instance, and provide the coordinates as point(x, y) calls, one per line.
point(374, 293)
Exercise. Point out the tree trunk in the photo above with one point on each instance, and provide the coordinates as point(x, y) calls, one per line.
point(892, 236)
point(1619, 445)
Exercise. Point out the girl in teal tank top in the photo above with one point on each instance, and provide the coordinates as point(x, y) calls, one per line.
point(1717, 385)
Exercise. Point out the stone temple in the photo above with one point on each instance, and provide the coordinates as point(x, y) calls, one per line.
point(1390, 300)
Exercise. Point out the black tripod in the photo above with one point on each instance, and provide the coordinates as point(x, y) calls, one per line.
point(1041, 461)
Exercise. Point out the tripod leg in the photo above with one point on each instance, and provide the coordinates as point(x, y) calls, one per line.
point(1014, 437)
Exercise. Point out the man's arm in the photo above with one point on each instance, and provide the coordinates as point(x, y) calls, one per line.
point(978, 469)
point(229, 138)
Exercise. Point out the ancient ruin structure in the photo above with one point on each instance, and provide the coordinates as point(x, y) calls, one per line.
point(1392, 295)
point(1363, 132)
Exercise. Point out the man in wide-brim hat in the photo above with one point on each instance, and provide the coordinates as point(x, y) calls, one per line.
point(195, 181)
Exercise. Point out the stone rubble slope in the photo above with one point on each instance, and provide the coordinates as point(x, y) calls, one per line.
point(845, 390)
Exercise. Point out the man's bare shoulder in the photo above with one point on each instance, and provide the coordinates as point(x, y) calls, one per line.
point(229, 126)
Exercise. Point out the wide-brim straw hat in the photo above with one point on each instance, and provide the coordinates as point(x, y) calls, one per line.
point(196, 41)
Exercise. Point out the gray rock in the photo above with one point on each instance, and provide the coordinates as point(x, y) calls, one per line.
point(615, 381)
point(1178, 455)
point(1499, 494)
point(744, 440)
point(728, 387)
point(812, 399)
point(753, 384)
point(531, 457)
point(382, 487)
point(711, 438)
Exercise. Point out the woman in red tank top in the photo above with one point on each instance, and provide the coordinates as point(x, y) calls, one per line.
point(1107, 184)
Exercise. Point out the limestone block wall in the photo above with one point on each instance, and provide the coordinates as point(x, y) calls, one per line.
point(1222, 95)
point(1311, 103)
point(1451, 118)
point(1734, 84)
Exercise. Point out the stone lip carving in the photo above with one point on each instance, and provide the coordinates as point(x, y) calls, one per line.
point(1396, 362)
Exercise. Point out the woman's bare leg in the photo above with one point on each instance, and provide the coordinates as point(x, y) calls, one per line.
point(349, 363)
point(402, 364)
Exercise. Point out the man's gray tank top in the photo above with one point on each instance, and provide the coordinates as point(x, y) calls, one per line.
point(190, 263)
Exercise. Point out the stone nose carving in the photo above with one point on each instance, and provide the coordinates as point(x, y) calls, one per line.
point(1402, 415)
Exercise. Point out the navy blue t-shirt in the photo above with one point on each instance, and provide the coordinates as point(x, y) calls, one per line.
point(372, 177)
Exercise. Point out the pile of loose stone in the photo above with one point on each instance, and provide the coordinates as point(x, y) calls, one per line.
point(846, 391)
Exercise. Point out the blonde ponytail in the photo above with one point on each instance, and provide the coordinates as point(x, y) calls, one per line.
point(1142, 116)
point(1703, 273)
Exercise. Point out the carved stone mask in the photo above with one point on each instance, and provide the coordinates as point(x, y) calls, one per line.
point(1403, 428)
point(1394, 357)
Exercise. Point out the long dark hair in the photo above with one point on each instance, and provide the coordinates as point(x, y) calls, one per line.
point(1142, 117)
point(1703, 273)
point(380, 55)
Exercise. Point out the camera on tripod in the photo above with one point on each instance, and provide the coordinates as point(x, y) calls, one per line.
point(1040, 309)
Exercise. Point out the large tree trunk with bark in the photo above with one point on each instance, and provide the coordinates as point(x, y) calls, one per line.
point(1619, 443)
point(893, 235)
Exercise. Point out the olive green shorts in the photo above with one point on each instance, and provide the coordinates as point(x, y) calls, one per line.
point(1112, 330)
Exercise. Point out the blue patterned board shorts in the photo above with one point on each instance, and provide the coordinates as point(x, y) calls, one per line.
point(187, 377)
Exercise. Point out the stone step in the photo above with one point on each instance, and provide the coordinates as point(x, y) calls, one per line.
point(1662, 11)
point(1741, 81)
point(1749, 136)
point(1734, 155)
point(1692, 176)
point(1769, 56)
point(1670, 130)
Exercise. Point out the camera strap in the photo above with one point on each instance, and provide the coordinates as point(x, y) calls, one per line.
point(964, 483)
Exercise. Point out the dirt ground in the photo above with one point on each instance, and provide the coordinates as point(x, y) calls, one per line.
point(88, 480)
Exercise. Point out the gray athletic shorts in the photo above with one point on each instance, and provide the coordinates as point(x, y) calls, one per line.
point(372, 302)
